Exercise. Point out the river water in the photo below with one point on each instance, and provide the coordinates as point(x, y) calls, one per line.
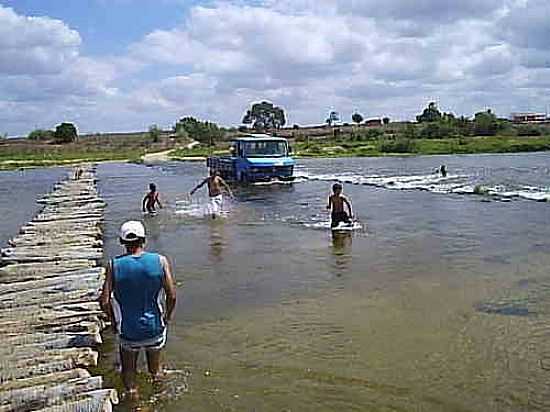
point(440, 303)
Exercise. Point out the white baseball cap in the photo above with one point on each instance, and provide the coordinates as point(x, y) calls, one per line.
point(132, 230)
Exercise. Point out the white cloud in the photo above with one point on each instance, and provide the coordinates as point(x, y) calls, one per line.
point(35, 45)
point(379, 57)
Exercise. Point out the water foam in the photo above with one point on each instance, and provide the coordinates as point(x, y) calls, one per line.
point(435, 183)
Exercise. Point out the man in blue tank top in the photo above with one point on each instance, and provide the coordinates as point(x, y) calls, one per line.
point(139, 296)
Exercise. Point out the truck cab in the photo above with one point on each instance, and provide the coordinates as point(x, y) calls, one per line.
point(255, 158)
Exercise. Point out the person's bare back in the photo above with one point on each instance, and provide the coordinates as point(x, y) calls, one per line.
point(337, 202)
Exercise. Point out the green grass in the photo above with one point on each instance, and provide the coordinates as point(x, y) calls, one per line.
point(462, 145)
point(13, 157)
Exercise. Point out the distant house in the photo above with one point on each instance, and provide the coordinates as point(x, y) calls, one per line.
point(373, 122)
point(529, 117)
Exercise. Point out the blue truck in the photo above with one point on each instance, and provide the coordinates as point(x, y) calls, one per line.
point(255, 158)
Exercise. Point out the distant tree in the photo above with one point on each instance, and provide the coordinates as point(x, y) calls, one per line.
point(65, 133)
point(41, 134)
point(180, 132)
point(204, 132)
point(485, 123)
point(356, 118)
point(295, 126)
point(430, 114)
point(333, 117)
point(265, 115)
point(154, 133)
point(386, 120)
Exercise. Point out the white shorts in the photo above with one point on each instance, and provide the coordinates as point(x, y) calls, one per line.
point(215, 205)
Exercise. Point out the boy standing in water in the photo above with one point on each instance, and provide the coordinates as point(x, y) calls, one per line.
point(336, 203)
point(151, 199)
point(215, 184)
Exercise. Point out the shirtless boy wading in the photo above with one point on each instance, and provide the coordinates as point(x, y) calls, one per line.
point(336, 203)
point(215, 184)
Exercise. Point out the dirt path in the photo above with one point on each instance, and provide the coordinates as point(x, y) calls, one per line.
point(156, 157)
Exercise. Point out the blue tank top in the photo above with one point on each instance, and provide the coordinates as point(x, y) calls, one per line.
point(137, 283)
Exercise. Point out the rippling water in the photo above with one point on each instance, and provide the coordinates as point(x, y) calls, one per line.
point(440, 304)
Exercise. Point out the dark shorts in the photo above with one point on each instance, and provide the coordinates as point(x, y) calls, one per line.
point(339, 217)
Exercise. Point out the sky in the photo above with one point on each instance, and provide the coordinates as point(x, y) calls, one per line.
point(123, 65)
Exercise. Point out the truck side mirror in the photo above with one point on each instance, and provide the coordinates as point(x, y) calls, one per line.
point(289, 149)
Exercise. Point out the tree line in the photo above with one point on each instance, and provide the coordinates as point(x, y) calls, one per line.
point(265, 116)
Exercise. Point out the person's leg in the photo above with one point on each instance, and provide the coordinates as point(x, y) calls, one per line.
point(334, 220)
point(129, 365)
point(211, 207)
point(153, 363)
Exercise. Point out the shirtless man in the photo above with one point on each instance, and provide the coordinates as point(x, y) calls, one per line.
point(336, 203)
point(215, 184)
point(151, 199)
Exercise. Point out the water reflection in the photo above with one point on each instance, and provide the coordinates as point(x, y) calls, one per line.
point(217, 242)
point(153, 226)
point(341, 252)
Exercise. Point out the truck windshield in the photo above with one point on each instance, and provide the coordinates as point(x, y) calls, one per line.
point(265, 149)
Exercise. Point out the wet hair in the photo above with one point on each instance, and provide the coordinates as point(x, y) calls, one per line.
point(152, 187)
point(337, 186)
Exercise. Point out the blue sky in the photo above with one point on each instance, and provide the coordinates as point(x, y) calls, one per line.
point(107, 27)
point(122, 65)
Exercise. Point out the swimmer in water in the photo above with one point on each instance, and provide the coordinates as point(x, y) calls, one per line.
point(443, 171)
point(336, 203)
point(215, 184)
point(151, 199)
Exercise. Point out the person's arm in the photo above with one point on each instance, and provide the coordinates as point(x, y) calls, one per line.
point(348, 204)
point(106, 291)
point(329, 205)
point(158, 201)
point(201, 184)
point(143, 203)
point(169, 286)
point(226, 186)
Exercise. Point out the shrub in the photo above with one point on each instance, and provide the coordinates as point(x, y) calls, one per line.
point(373, 134)
point(529, 130)
point(204, 132)
point(436, 131)
point(41, 134)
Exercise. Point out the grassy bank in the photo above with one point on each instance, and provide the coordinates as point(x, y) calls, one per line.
point(349, 147)
point(23, 153)
point(64, 157)
point(382, 147)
